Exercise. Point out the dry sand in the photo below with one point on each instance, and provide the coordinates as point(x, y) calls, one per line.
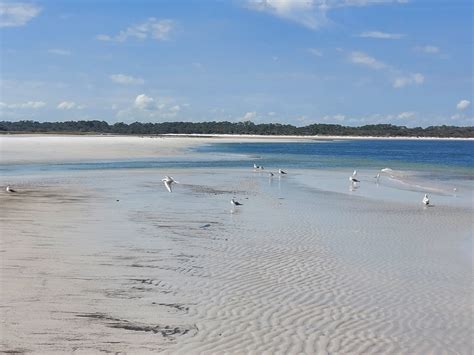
point(109, 261)
point(20, 149)
point(39, 149)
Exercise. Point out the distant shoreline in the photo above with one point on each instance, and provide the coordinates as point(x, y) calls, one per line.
point(229, 136)
point(236, 129)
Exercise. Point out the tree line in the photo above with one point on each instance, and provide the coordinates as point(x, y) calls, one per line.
point(224, 127)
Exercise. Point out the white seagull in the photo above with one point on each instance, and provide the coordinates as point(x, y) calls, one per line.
point(352, 179)
point(9, 189)
point(255, 166)
point(281, 172)
point(235, 203)
point(377, 177)
point(168, 181)
point(426, 200)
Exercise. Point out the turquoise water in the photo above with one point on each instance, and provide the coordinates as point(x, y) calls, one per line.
point(445, 159)
point(435, 155)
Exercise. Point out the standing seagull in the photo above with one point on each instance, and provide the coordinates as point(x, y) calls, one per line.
point(281, 172)
point(426, 200)
point(235, 203)
point(168, 181)
point(352, 179)
point(9, 189)
point(270, 174)
point(377, 177)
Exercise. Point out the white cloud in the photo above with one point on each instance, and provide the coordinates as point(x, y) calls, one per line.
point(25, 105)
point(401, 79)
point(126, 79)
point(316, 52)
point(406, 115)
point(411, 79)
point(34, 104)
point(463, 104)
point(144, 102)
point(17, 14)
point(69, 105)
point(364, 59)
point(309, 13)
point(59, 51)
point(175, 108)
point(249, 116)
point(148, 108)
point(428, 49)
point(381, 35)
point(152, 28)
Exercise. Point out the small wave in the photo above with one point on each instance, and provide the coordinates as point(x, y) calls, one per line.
point(413, 181)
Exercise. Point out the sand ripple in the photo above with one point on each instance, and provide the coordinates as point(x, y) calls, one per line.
point(294, 271)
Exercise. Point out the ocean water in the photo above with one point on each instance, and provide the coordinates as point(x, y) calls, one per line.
point(448, 159)
point(456, 157)
point(440, 167)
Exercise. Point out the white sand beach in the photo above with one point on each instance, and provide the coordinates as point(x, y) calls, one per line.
point(110, 261)
point(30, 148)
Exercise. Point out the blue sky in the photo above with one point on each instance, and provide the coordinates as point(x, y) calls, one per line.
point(350, 62)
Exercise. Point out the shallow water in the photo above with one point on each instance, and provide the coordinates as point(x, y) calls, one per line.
point(107, 260)
point(295, 269)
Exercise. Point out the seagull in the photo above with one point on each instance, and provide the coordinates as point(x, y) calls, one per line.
point(235, 203)
point(426, 200)
point(377, 177)
point(255, 166)
point(281, 172)
point(270, 174)
point(9, 189)
point(352, 179)
point(168, 181)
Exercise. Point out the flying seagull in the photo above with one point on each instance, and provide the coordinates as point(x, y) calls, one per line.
point(281, 172)
point(235, 203)
point(168, 181)
point(426, 200)
point(9, 189)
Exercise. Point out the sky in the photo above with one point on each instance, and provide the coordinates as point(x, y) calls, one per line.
point(349, 62)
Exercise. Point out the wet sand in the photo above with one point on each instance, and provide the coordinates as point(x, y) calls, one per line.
point(109, 261)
